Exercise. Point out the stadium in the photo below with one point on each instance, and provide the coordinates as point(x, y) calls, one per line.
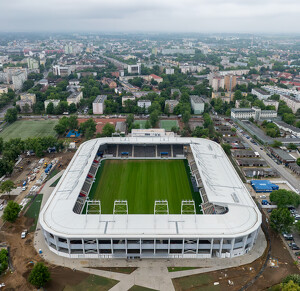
point(150, 197)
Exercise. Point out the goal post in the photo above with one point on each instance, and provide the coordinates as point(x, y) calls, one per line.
point(161, 207)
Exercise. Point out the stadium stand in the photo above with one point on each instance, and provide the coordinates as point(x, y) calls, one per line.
point(125, 150)
point(111, 150)
point(177, 150)
point(144, 151)
point(164, 150)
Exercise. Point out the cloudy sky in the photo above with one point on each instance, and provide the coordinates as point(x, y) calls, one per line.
point(275, 16)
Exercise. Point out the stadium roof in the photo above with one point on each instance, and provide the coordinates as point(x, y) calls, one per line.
point(221, 182)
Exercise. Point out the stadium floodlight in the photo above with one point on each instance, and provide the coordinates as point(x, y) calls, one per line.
point(188, 207)
point(120, 207)
point(161, 207)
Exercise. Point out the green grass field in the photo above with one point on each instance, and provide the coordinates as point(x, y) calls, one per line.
point(34, 210)
point(141, 182)
point(168, 124)
point(141, 123)
point(29, 128)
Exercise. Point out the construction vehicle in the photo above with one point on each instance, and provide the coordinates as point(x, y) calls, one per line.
point(45, 165)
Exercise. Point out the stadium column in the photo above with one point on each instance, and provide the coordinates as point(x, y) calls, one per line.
point(117, 150)
point(171, 150)
point(244, 242)
point(69, 245)
point(126, 247)
point(140, 246)
point(133, 151)
point(197, 250)
point(211, 246)
point(232, 245)
point(97, 246)
point(221, 247)
point(183, 246)
point(154, 246)
point(83, 249)
point(169, 246)
point(156, 150)
point(112, 246)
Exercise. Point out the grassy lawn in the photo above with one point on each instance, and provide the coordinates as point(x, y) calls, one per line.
point(52, 174)
point(92, 283)
point(195, 282)
point(29, 128)
point(34, 210)
point(141, 123)
point(176, 269)
point(168, 124)
point(141, 182)
point(140, 288)
point(55, 182)
point(122, 270)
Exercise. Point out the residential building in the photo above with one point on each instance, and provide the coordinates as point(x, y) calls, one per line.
point(172, 104)
point(144, 104)
point(125, 98)
point(155, 78)
point(288, 128)
point(30, 96)
point(99, 104)
point(75, 98)
point(282, 91)
point(44, 82)
point(111, 83)
point(74, 82)
point(261, 94)
point(169, 71)
point(151, 132)
point(25, 105)
point(197, 104)
point(178, 51)
point(291, 102)
point(225, 96)
point(230, 82)
point(134, 69)
point(3, 89)
point(282, 156)
point(62, 71)
point(217, 83)
point(270, 102)
point(54, 101)
point(254, 112)
point(33, 64)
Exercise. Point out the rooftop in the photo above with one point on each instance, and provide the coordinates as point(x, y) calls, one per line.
point(100, 99)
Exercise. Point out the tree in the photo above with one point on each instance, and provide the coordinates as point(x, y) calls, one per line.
point(11, 211)
point(298, 161)
point(292, 277)
point(284, 198)
point(227, 148)
point(289, 118)
point(73, 122)
point(11, 115)
point(26, 108)
point(290, 286)
point(167, 109)
point(292, 146)
point(147, 124)
point(7, 186)
point(62, 125)
point(39, 275)
point(89, 127)
point(154, 117)
point(276, 144)
point(108, 129)
point(72, 108)
point(3, 260)
point(50, 108)
point(186, 117)
point(238, 95)
point(281, 220)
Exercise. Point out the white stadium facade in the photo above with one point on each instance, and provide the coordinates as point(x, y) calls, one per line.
point(228, 226)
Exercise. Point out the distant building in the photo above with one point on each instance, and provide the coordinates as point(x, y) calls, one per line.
point(33, 64)
point(230, 82)
point(144, 104)
point(261, 94)
point(54, 101)
point(197, 104)
point(62, 71)
point(99, 104)
point(178, 51)
point(125, 98)
point(217, 83)
point(271, 103)
point(74, 82)
point(28, 96)
point(169, 71)
point(44, 82)
point(111, 83)
point(134, 69)
point(25, 105)
point(155, 78)
point(3, 90)
point(75, 98)
point(254, 112)
point(148, 132)
point(291, 102)
point(172, 104)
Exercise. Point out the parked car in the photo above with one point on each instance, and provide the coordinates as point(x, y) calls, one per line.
point(263, 196)
point(297, 253)
point(294, 246)
point(287, 236)
point(24, 233)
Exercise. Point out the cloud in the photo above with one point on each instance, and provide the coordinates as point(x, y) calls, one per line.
point(154, 15)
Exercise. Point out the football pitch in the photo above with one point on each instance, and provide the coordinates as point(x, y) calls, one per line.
point(29, 128)
point(141, 182)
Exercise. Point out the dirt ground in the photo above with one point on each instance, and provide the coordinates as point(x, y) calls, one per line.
point(102, 121)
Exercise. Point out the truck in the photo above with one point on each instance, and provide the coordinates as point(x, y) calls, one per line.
point(265, 202)
point(48, 169)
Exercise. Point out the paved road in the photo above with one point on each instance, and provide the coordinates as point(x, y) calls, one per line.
point(3, 110)
point(294, 181)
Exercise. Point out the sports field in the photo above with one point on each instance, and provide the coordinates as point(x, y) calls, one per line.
point(141, 182)
point(168, 124)
point(141, 123)
point(29, 128)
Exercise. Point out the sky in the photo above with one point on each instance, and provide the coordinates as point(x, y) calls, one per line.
point(203, 16)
